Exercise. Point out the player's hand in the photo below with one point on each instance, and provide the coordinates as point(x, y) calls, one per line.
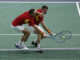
point(49, 31)
point(41, 32)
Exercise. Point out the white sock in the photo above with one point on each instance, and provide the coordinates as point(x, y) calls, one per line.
point(21, 43)
point(35, 41)
point(38, 46)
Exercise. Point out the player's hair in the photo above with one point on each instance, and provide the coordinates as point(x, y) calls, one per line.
point(31, 11)
point(44, 6)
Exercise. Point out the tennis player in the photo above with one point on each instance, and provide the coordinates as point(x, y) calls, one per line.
point(39, 19)
point(17, 24)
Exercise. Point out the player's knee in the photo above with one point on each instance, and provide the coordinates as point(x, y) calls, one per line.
point(44, 35)
point(27, 33)
point(39, 33)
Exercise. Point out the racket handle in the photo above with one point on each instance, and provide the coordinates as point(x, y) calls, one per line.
point(53, 37)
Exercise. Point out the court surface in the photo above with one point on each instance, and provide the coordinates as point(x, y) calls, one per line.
point(60, 16)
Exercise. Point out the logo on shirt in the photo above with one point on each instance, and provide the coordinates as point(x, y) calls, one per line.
point(37, 17)
point(26, 21)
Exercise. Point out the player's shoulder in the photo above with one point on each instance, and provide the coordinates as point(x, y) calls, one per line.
point(39, 10)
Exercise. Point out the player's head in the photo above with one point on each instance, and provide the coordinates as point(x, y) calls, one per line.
point(44, 9)
point(32, 12)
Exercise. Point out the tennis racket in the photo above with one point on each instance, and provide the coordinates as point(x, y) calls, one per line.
point(61, 37)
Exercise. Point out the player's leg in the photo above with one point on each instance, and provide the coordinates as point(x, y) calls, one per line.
point(39, 39)
point(31, 29)
point(26, 33)
point(24, 38)
point(42, 36)
point(36, 42)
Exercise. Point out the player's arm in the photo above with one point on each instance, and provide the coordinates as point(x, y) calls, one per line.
point(34, 26)
point(45, 27)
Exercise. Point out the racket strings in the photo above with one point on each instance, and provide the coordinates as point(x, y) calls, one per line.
point(62, 36)
point(66, 34)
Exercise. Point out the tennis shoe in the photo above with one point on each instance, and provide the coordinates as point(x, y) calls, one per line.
point(35, 44)
point(21, 47)
point(18, 46)
point(24, 47)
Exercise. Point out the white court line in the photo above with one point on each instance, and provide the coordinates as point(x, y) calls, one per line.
point(77, 4)
point(33, 2)
point(31, 34)
point(15, 34)
point(44, 49)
